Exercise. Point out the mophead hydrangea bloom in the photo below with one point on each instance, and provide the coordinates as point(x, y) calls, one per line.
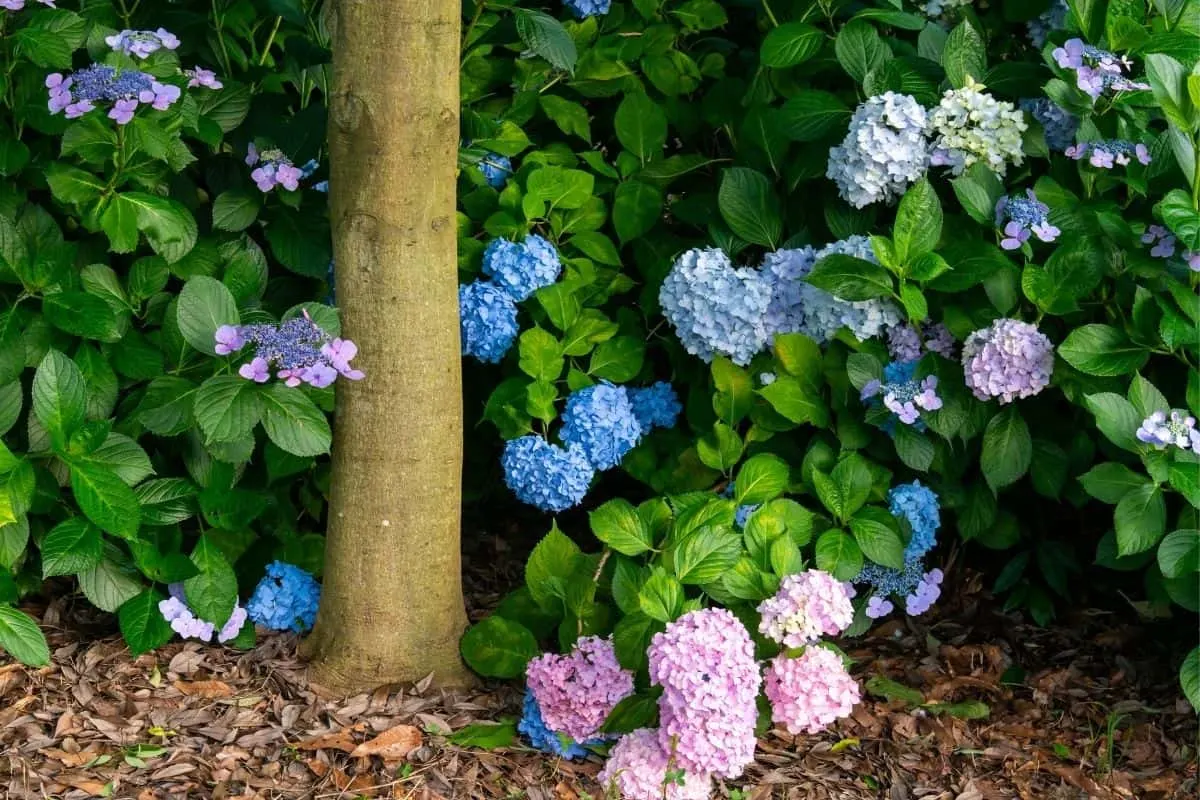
point(1007, 360)
point(541, 737)
point(545, 475)
point(918, 504)
point(808, 605)
point(1110, 153)
point(971, 127)
point(495, 169)
point(785, 270)
point(80, 92)
point(715, 308)
point(1178, 430)
point(521, 268)
point(141, 44)
point(909, 343)
point(1019, 217)
point(286, 599)
point(655, 406)
point(1096, 71)
point(487, 319)
point(884, 151)
point(825, 314)
point(705, 663)
point(577, 691)
point(1058, 124)
point(637, 769)
point(810, 692)
point(184, 622)
point(582, 9)
point(600, 421)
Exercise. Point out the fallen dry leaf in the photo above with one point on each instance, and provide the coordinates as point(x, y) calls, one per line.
point(70, 759)
point(337, 740)
point(391, 745)
point(207, 689)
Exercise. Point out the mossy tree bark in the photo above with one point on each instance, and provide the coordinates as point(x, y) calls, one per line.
point(392, 606)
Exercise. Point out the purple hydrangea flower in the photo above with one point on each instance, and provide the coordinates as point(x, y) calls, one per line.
point(229, 340)
point(1021, 216)
point(122, 111)
point(878, 607)
point(1161, 239)
point(544, 475)
point(184, 622)
point(141, 44)
point(926, 593)
point(1007, 360)
point(17, 5)
point(1058, 124)
point(903, 394)
point(258, 369)
point(1108, 153)
point(1096, 71)
point(299, 350)
point(809, 692)
point(576, 692)
point(908, 343)
point(274, 169)
point(78, 93)
point(1179, 430)
point(202, 77)
point(160, 96)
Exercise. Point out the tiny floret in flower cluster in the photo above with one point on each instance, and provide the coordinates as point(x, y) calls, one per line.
point(1108, 153)
point(298, 349)
point(184, 622)
point(1096, 71)
point(637, 769)
point(495, 169)
point(79, 92)
point(705, 663)
point(655, 406)
point(1007, 360)
point(582, 9)
point(541, 737)
point(972, 127)
point(1178, 430)
point(273, 169)
point(141, 44)
point(808, 605)
point(577, 691)
point(545, 475)
point(521, 268)
point(887, 582)
point(883, 152)
point(1058, 124)
point(908, 343)
point(487, 320)
point(202, 77)
point(810, 692)
point(286, 599)
point(716, 308)
point(1162, 245)
point(600, 420)
point(1019, 217)
point(926, 593)
point(903, 394)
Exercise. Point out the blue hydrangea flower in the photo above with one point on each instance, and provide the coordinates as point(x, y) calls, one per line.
point(495, 169)
point(545, 475)
point(785, 270)
point(600, 420)
point(582, 9)
point(1053, 19)
point(742, 515)
point(285, 599)
point(902, 394)
point(655, 406)
point(541, 737)
point(522, 268)
point(919, 505)
point(488, 321)
point(1058, 124)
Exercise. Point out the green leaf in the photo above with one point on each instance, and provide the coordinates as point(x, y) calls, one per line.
point(1179, 553)
point(72, 185)
point(734, 393)
point(631, 637)
point(1146, 397)
point(1176, 210)
point(123, 456)
point(21, 637)
point(294, 423)
point(486, 735)
point(546, 36)
point(105, 499)
point(1189, 677)
point(661, 597)
point(839, 555)
point(721, 448)
point(749, 206)
point(636, 208)
point(796, 400)
point(850, 278)
point(891, 690)
point(641, 126)
point(619, 359)
point(853, 478)
point(227, 407)
point(142, 624)
point(964, 55)
point(70, 547)
point(1102, 350)
point(205, 304)
point(111, 583)
point(1007, 449)
point(618, 524)
point(541, 355)
point(14, 537)
point(1140, 519)
point(236, 209)
point(83, 314)
point(813, 115)
point(635, 711)
point(875, 532)
point(167, 501)
point(59, 396)
point(914, 448)
point(704, 555)
point(1184, 477)
point(978, 190)
point(1116, 418)
point(918, 222)
point(790, 44)
point(1109, 482)
point(168, 225)
point(213, 592)
point(12, 349)
point(498, 648)
point(571, 118)
point(763, 477)
point(859, 49)
point(550, 567)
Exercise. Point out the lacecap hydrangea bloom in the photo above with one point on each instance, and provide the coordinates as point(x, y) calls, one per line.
point(1179, 430)
point(655, 406)
point(542, 738)
point(918, 504)
point(884, 151)
point(704, 661)
point(1108, 153)
point(297, 348)
point(1007, 360)
point(286, 599)
point(918, 588)
point(810, 692)
point(487, 321)
point(184, 622)
point(637, 770)
point(521, 268)
point(1050, 20)
point(1058, 124)
point(1096, 71)
point(808, 605)
point(576, 692)
point(1019, 217)
point(545, 475)
point(601, 422)
point(971, 127)
point(273, 169)
point(714, 307)
point(582, 9)
point(141, 44)
point(902, 393)
point(495, 169)
point(825, 314)
point(785, 271)
point(81, 91)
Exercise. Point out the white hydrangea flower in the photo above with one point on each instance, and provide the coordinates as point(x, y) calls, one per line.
point(972, 126)
point(884, 151)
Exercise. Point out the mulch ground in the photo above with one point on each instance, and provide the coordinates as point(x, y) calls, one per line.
point(1086, 709)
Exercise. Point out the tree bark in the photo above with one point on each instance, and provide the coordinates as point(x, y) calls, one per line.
point(392, 606)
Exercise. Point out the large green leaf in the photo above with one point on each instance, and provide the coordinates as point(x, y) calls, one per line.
point(546, 36)
point(213, 592)
point(790, 44)
point(749, 206)
point(294, 423)
point(205, 304)
point(851, 278)
point(105, 498)
point(167, 224)
point(21, 637)
point(618, 524)
point(1179, 553)
point(498, 648)
point(72, 546)
point(763, 477)
point(59, 396)
point(705, 554)
point(918, 222)
point(227, 407)
point(1102, 350)
point(550, 567)
point(142, 624)
point(1007, 449)
point(641, 126)
point(1140, 519)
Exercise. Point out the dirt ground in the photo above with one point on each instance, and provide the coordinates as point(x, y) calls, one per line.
point(1089, 708)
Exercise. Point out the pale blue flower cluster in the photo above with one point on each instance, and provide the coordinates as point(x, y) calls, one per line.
point(521, 268)
point(542, 738)
point(545, 475)
point(1058, 124)
point(786, 270)
point(488, 321)
point(1053, 19)
point(601, 422)
point(716, 308)
point(743, 514)
point(285, 599)
point(656, 406)
point(495, 169)
point(582, 9)
point(919, 505)
point(884, 151)
point(825, 314)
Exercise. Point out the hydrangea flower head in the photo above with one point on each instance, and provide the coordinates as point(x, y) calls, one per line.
point(274, 169)
point(544, 475)
point(908, 343)
point(705, 663)
point(902, 393)
point(888, 582)
point(141, 44)
point(542, 738)
point(1161, 240)
point(286, 599)
point(600, 421)
point(655, 406)
point(884, 151)
point(184, 622)
point(809, 692)
point(1096, 71)
point(1052, 19)
point(576, 692)
point(1179, 430)
point(1007, 360)
point(82, 91)
point(926, 593)
point(1058, 124)
point(825, 314)
point(495, 169)
point(1108, 153)
point(202, 77)
point(808, 605)
point(637, 770)
point(521, 268)
point(716, 308)
point(488, 321)
point(785, 270)
point(972, 127)
point(582, 9)
point(299, 350)
point(918, 505)
point(1019, 216)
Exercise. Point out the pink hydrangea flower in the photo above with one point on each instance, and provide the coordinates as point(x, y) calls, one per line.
point(229, 339)
point(577, 691)
point(807, 606)
point(637, 770)
point(340, 352)
point(810, 692)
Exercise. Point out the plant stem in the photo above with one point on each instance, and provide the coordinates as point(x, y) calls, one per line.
point(770, 14)
point(479, 7)
point(270, 40)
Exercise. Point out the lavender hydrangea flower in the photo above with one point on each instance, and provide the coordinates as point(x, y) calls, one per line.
point(1177, 431)
point(1007, 360)
point(878, 607)
point(971, 127)
point(521, 268)
point(184, 622)
point(884, 151)
point(544, 475)
point(576, 692)
point(122, 111)
point(601, 422)
point(908, 343)
point(808, 605)
point(80, 92)
point(1018, 217)
point(285, 599)
point(1058, 124)
point(1161, 240)
point(926, 593)
point(542, 738)
point(785, 271)
point(1053, 19)
point(297, 348)
point(582, 9)
point(1096, 71)
point(273, 169)
point(202, 77)
point(257, 369)
point(638, 766)
point(714, 307)
point(229, 340)
point(902, 393)
point(810, 692)
point(141, 44)
point(1107, 153)
point(655, 406)
point(488, 321)
point(887, 582)
point(17, 5)
point(495, 169)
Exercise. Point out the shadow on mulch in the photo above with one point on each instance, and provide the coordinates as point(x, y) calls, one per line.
point(1087, 709)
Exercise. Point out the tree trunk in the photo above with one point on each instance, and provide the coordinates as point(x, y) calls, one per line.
point(392, 606)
